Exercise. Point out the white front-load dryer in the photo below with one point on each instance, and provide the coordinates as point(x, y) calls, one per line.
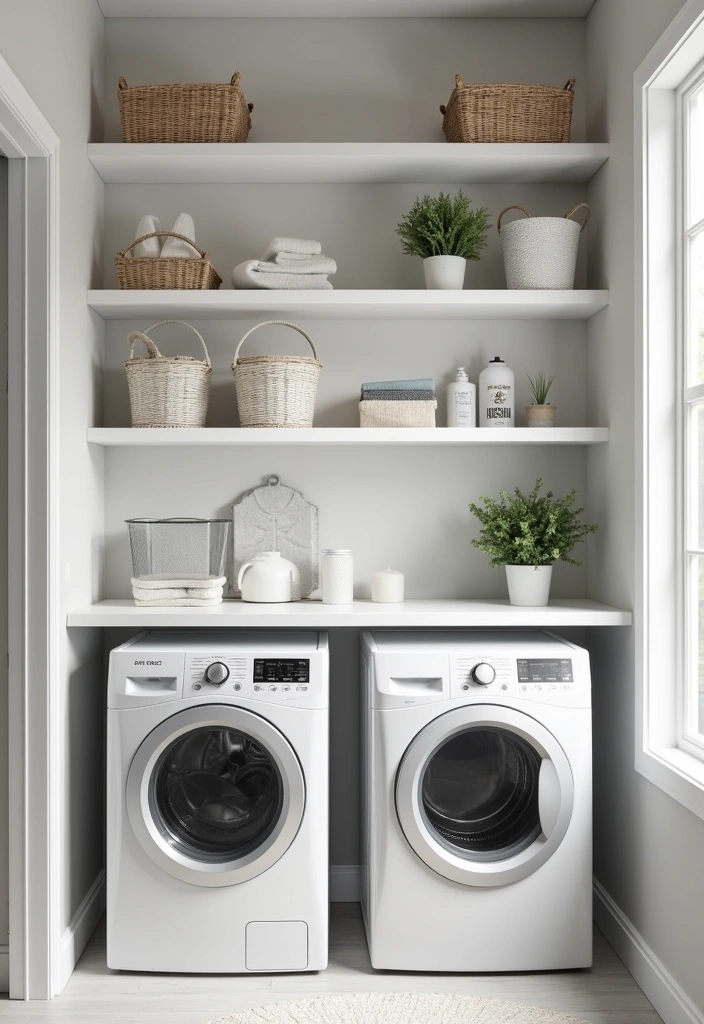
point(217, 809)
point(477, 834)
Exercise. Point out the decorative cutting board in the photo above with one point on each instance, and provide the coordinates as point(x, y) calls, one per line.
point(275, 518)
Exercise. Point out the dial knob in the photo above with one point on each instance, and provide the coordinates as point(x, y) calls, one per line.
point(483, 673)
point(217, 673)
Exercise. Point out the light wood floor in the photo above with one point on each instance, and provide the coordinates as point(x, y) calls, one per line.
point(606, 994)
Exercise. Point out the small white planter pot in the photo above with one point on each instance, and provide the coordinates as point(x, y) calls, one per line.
point(444, 271)
point(529, 585)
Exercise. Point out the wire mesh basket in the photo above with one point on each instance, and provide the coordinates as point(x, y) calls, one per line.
point(190, 549)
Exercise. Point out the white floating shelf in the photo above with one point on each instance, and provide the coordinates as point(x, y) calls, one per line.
point(207, 437)
point(377, 304)
point(346, 162)
point(315, 615)
point(345, 8)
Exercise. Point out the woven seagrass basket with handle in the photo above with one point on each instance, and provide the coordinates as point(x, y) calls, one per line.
point(181, 272)
point(508, 113)
point(185, 112)
point(276, 391)
point(167, 391)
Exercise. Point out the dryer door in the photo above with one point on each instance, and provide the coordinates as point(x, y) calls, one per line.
point(215, 795)
point(484, 795)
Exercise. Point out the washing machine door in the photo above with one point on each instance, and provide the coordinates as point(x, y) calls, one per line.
point(215, 795)
point(484, 795)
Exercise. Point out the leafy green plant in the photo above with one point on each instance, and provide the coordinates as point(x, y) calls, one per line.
point(540, 386)
point(444, 227)
point(530, 529)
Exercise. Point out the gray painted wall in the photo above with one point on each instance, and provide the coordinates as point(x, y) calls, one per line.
point(56, 51)
point(4, 889)
point(649, 849)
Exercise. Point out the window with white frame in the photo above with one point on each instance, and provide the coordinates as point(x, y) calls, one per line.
point(669, 599)
point(690, 110)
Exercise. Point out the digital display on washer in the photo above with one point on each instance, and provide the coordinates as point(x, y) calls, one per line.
point(281, 670)
point(545, 670)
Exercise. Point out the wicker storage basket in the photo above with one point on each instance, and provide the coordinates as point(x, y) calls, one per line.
point(541, 252)
point(167, 391)
point(168, 271)
point(276, 391)
point(508, 113)
point(397, 414)
point(201, 112)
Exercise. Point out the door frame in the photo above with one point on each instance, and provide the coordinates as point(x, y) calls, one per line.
point(32, 149)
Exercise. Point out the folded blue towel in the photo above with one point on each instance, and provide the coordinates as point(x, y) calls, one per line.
point(423, 384)
point(398, 396)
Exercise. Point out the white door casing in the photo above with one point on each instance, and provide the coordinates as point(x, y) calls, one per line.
point(555, 796)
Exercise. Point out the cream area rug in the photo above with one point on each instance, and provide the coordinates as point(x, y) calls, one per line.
point(397, 1008)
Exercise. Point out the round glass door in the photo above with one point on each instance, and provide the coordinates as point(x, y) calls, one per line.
point(215, 795)
point(484, 795)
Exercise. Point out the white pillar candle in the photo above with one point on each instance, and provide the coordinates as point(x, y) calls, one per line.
point(387, 586)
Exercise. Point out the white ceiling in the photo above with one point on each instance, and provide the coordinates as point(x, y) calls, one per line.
point(345, 8)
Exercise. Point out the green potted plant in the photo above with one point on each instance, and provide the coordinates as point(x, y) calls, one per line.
point(527, 533)
point(445, 233)
point(541, 413)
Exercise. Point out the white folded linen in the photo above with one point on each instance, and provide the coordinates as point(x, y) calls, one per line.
point(175, 247)
point(161, 580)
point(308, 265)
point(295, 246)
point(291, 257)
point(247, 275)
point(177, 593)
point(151, 247)
point(180, 602)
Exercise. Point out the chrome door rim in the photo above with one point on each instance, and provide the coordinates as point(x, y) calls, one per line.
point(151, 837)
point(414, 822)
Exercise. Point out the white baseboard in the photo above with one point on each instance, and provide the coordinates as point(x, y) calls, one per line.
point(80, 929)
point(668, 998)
point(4, 968)
point(345, 883)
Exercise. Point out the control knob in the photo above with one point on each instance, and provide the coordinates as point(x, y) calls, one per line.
point(217, 673)
point(483, 673)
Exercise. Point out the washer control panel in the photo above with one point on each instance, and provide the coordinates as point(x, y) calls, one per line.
point(541, 678)
point(278, 680)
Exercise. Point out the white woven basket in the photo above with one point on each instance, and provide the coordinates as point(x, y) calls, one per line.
point(541, 252)
point(167, 391)
point(276, 391)
point(397, 414)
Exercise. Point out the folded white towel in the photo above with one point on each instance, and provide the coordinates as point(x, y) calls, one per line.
point(309, 265)
point(177, 593)
point(247, 275)
point(291, 257)
point(152, 246)
point(180, 602)
point(175, 247)
point(160, 580)
point(297, 246)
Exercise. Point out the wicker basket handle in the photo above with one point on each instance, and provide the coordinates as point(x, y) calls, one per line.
point(459, 84)
point(569, 85)
point(158, 234)
point(270, 323)
point(580, 206)
point(235, 80)
point(148, 343)
point(521, 208)
point(122, 84)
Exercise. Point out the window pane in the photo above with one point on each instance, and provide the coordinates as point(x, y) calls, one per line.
point(695, 697)
point(695, 160)
point(695, 319)
point(696, 470)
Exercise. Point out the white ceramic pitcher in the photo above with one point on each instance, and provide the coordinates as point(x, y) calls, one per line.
point(269, 578)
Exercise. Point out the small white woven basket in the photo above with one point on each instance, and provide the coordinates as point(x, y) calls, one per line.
point(167, 391)
point(541, 252)
point(276, 391)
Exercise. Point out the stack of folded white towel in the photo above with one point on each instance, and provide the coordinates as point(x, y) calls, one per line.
point(166, 590)
point(171, 247)
point(287, 263)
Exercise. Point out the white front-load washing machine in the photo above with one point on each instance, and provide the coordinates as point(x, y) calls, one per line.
point(477, 834)
point(217, 810)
